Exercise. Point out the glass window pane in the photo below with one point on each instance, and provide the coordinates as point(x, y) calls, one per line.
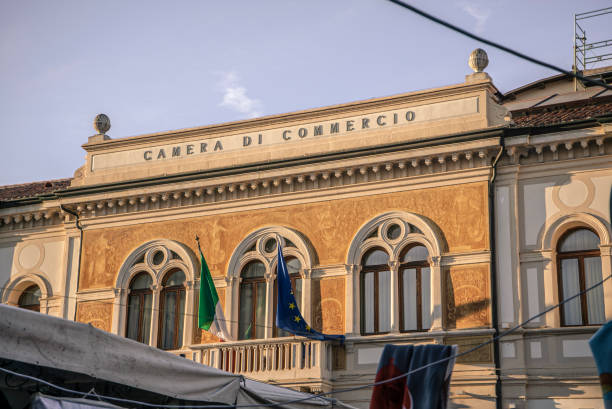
point(146, 319)
point(595, 297)
point(375, 257)
point(158, 258)
point(133, 317)
point(409, 299)
point(394, 231)
point(255, 269)
point(367, 308)
point(270, 245)
point(571, 286)
point(181, 314)
point(426, 297)
point(260, 310)
point(415, 253)
point(176, 278)
point(168, 320)
point(578, 240)
point(141, 281)
point(293, 265)
point(384, 305)
point(245, 324)
point(30, 296)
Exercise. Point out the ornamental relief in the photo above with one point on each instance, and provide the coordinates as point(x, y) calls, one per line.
point(328, 305)
point(96, 313)
point(330, 226)
point(467, 296)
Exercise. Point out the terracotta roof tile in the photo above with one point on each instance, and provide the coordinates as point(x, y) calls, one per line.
point(33, 189)
point(563, 113)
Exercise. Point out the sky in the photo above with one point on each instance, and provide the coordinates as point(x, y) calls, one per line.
point(153, 66)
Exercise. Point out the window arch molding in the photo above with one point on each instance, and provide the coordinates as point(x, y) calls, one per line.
point(379, 233)
point(556, 228)
point(554, 231)
point(157, 258)
point(16, 285)
point(253, 248)
point(429, 236)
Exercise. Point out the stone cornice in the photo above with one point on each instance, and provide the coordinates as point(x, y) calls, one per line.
point(305, 115)
point(274, 183)
point(583, 143)
point(247, 186)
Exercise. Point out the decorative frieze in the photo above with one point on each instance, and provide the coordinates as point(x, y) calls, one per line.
point(366, 173)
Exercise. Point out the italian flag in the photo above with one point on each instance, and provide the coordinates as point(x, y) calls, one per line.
point(210, 314)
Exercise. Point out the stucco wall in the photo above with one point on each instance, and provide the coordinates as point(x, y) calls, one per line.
point(459, 211)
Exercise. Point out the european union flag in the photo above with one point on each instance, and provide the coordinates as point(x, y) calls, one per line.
point(288, 316)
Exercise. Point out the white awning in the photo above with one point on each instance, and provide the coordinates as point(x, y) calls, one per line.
point(45, 340)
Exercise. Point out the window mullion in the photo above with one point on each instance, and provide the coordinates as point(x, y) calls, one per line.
point(376, 309)
point(419, 307)
point(400, 292)
point(140, 316)
point(583, 297)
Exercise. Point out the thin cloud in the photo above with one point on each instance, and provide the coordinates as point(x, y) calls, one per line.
point(235, 96)
point(480, 15)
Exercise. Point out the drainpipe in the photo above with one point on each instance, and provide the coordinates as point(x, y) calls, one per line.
point(493, 277)
point(80, 227)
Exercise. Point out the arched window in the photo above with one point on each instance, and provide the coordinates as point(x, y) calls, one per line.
point(172, 310)
point(293, 268)
point(395, 273)
point(139, 308)
point(255, 261)
point(252, 320)
point(414, 289)
point(375, 292)
point(158, 301)
point(30, 298)
point(579, 267)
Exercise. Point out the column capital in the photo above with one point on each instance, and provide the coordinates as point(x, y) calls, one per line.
point(306, 273)
point(353, 268)
point(231, 280)
point(434, 261)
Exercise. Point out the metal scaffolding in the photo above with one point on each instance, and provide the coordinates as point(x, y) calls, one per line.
point(581, 47)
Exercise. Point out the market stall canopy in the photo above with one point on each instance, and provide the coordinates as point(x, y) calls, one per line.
point(43, 340)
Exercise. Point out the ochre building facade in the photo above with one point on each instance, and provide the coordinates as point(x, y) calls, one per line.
point(438, 216)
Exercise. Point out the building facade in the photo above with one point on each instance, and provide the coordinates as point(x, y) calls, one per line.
point(438, 216)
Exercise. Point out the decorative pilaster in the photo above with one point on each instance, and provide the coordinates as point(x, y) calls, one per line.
point(307, 295)
point(232, 292)
point(436, 293)
point(550, 288)
point(395, 301)
point(155, 306)
point(190, 320)
point(606, 270)
point(269, 320)
point(352, 299)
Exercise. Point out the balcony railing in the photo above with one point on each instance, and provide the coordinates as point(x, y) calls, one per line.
point(277, 359)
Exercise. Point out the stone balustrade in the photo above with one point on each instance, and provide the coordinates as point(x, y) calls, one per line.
point(279, 359)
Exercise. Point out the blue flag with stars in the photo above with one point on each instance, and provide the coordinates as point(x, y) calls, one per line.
point(288, 316)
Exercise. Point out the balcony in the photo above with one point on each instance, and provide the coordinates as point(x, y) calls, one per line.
point(286, 360)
